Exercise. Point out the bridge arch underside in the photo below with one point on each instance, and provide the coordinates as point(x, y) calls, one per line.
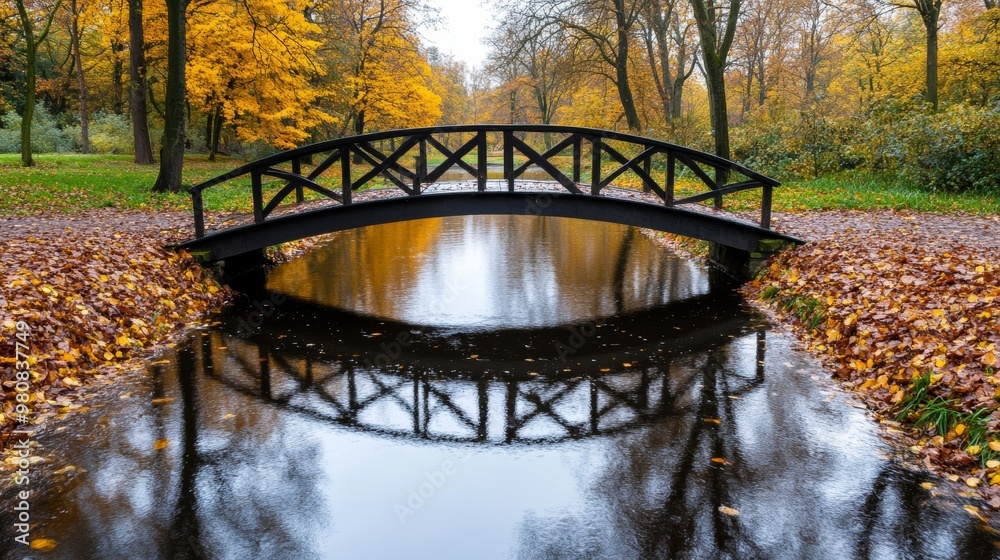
point(700, 225)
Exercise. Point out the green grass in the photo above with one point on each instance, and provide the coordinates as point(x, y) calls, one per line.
point(859, 190)
point(64, 183)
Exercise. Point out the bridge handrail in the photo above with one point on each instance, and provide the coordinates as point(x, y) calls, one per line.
point(360, 146)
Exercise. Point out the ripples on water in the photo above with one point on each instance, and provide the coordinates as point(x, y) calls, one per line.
point(489, 387)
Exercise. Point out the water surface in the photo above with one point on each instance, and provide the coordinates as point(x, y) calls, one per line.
point(488, 387)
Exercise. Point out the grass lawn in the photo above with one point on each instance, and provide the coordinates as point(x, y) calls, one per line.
point(64, 183)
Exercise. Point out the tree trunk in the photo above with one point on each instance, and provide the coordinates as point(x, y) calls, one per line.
point(30, 54)
point(174, 126)
point(137, 94)
point(930, 23)
point(74, 38)
point(621, 79)
point(716, 80)
point(714, 54)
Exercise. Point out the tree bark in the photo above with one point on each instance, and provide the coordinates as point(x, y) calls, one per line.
point(621, 70)
point(931, 25)
point(172, 148)
point(714, 52)
point(74, 37)
point(137, 94)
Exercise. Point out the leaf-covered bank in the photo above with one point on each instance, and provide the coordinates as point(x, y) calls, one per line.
point(90, 293)
point(903, 308)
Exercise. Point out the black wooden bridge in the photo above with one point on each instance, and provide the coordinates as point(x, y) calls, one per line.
point(388, 177)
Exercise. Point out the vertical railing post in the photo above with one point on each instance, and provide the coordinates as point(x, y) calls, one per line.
point(199, 213)
point(595, 167)
point(345, 174)
point(482, 165)
point(508, 159)
point(765, 206)
point(647, 164)
point(297, 169)
point(258, 197)
point(576, 159)
point(720, 178)
point(669, 187)
point(421, 165)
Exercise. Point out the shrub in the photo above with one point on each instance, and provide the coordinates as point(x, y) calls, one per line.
point(46, 136)
point(109, 134)
point(955, 150)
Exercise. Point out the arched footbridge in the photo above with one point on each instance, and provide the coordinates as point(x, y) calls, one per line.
point(489, 169)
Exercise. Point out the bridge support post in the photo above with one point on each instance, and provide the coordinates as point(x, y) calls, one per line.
point(244, 269)
point(742, 264)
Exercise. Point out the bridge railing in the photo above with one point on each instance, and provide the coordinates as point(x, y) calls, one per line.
point(406, 159)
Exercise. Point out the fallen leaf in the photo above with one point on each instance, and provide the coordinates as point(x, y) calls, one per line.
point(728, 510)
point(44, 545)
point(160, 444)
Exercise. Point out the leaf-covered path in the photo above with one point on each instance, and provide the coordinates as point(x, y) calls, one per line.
point(904, 307)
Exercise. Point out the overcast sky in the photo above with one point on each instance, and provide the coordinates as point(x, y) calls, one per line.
point(464, 23)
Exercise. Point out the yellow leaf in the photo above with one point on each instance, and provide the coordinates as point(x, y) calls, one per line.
point(927, 485)
point(994, 445)
point(728, 510)
point(960, 429)
point(104, 278)
point(972, 482)
point(832, 335)
point(992, 464)
point(990, 359)
point(163, 400)
point(122, 340)
point(71, 381)
point(228, 416)
point(160, 444)
point(45, 545)
point(973, 449)
point(973, 298)
point(937, 312)
point(940, 362)
point(108, 356)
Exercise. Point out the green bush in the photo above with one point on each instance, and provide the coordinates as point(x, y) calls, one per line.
point(109, 134)
point(795, 146)
point(46, 136)
point(955, 150)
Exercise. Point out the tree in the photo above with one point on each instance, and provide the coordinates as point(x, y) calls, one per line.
point(760, 49)
point(537, 56)
point(172, 146)
point(32, 40)
point(670, 54)
point(75, 41)
point(716, 28)
point(251, 65)
point(137, 79)
point(930, 13)
point(607, 26)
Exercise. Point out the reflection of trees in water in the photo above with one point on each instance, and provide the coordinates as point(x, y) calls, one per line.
point(208, 494)
point(661, 495)
point(522, 268)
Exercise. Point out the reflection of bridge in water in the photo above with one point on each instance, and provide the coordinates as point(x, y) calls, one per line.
point(431, 389)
